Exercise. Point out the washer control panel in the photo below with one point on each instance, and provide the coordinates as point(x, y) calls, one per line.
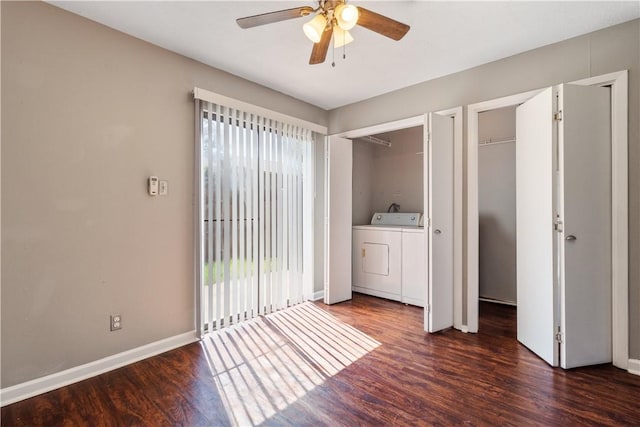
point(396, 218)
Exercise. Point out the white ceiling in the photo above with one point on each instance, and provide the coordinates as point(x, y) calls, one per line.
point(445, 37)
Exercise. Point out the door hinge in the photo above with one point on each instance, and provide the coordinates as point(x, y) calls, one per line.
point(559, 336)
point(558, 116)
point(428, 308)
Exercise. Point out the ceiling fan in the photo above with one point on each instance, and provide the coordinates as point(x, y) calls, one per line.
point(333, 18)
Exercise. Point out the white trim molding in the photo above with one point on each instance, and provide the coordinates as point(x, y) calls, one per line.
point(47, 383)
point(634, 366)
point(497, 301)
point(384, 127)
point(319, 295)
point(216, 98)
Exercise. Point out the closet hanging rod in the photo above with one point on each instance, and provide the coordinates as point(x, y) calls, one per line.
point(376, 140)
point(492, 141)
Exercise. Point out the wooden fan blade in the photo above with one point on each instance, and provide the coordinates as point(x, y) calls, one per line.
point(319, 52)
point(381, 24)
point(268, 18)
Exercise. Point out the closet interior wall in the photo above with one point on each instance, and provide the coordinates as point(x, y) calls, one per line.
point(497, 204)
point(363, 176)
point(384, 175)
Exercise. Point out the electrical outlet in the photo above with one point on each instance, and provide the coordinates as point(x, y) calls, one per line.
point(116, 322)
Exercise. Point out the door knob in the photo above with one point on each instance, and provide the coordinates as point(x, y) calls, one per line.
point(437, 231)
point(570, 237)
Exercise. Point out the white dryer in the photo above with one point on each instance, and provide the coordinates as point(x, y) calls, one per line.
point(378, 267)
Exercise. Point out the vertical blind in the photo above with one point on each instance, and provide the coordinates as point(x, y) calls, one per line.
point(253, 195)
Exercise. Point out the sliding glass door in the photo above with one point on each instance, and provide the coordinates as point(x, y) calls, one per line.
point(254, 190)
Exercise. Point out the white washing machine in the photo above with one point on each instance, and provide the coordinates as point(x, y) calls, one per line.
point(387, 257)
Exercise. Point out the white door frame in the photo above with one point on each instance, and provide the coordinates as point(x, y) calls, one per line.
point(422, 120)
point(619, 191)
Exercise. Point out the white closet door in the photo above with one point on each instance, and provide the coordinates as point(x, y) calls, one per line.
point(585, 147)
point(438, 170)
point(414, 268)
point(337, 287)
point(536, 254)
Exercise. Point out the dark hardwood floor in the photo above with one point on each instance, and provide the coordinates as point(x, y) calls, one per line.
point(303, 368)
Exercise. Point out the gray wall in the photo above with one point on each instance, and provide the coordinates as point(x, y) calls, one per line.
point(363, 176)
point(612, 49)
point(398, 171)
point(497, 205)
point(88, 114)
point(384, 175)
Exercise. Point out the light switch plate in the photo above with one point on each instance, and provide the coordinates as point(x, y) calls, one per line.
point(153, 185)
point(164, 188)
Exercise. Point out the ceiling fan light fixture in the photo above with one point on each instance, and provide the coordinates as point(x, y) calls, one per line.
point(330, 19)
point(341, 37)
point(314, 28)
point(347, 16)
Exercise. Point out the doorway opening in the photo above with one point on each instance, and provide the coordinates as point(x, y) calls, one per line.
point(617, 84)
point(388, 245)
point(497, 205)
point(442, 288)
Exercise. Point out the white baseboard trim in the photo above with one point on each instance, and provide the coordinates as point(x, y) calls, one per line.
point(497, 301)
point(47, 383)
point(317, 296)
point(376, 293)
point(634, 366)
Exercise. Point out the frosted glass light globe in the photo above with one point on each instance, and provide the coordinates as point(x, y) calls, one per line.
point(347, 16)
point(314, 28)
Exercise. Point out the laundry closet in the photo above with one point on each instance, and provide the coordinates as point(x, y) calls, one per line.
point(497, 205)
point(388, 240)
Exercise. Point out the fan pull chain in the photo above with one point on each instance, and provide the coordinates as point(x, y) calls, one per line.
point(333, 56)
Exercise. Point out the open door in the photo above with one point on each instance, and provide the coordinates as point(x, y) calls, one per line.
point(339, 165)
point(585, 209)
point(563, 204)
point(537, 299)
point(439, 179)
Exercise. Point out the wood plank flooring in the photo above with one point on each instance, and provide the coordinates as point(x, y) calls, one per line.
point(395, 375)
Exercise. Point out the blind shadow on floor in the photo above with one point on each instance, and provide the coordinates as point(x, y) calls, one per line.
point(263, 365)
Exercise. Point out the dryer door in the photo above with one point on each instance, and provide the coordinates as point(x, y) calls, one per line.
point(375, 258)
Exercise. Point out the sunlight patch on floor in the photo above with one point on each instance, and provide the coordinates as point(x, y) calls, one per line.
point(265, 364)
